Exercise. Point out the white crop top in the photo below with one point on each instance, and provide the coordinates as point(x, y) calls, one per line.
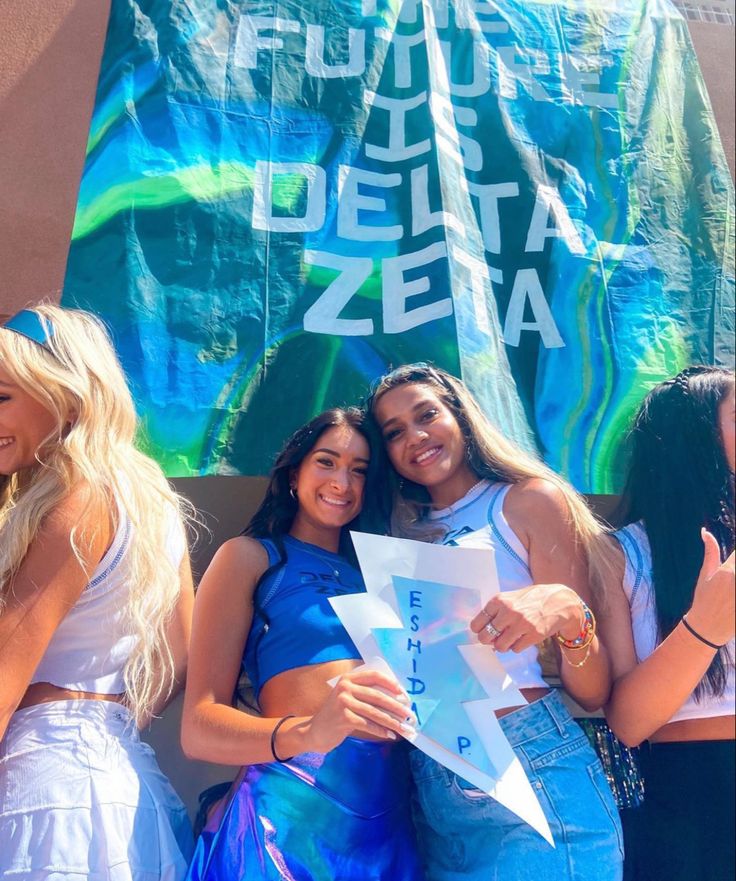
point(476, 521)
point(639, 591)
point(90, 648)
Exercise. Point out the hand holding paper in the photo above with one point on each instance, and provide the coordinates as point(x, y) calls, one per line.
point(368, 700)
point(526, 617)
point(416, 614)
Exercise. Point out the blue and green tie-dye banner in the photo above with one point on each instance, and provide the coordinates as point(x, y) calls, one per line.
point(281, 199)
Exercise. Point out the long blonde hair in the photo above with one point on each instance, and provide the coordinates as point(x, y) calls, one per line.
point(489, 455)
point(76, 377)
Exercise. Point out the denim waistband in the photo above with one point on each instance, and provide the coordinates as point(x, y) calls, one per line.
point(546, 715)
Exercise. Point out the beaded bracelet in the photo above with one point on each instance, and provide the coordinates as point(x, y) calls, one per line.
point(586, 635)
point(276, 727)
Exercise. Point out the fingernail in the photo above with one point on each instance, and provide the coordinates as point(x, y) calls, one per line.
point(391, 735)
point(403, 698)
point(408, 729)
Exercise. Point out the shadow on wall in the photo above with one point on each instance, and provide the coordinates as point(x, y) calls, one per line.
point(225, 505)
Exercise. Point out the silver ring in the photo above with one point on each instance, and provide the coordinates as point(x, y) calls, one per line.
point(491, 630)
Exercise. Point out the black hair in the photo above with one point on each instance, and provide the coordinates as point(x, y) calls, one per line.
point(679, 480)
point(277, 511)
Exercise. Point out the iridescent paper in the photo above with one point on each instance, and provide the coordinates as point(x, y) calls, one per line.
point(424, 657)
point(344, 815)
point(413, 619)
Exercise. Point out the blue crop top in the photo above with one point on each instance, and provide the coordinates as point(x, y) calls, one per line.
point(293, 622)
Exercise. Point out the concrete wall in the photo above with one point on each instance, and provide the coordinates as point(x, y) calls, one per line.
point(49, 59)
point(716, 52)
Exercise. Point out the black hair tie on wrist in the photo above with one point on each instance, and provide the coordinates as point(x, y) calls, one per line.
point(273, 738)
point(695, 633)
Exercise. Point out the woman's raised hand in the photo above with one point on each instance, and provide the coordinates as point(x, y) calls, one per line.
point(363, 702)
point(515, 620)
point(713, 610)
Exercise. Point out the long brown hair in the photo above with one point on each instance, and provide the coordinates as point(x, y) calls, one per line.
point(489, 454)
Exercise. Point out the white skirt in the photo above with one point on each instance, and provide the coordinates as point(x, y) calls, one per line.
point(82, 798)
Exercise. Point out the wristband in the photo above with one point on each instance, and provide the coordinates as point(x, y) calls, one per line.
point(695, 633)
point(276, 727)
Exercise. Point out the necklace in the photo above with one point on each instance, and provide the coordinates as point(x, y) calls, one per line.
point(311, 550)
point(463, 497)
point(448, 518)
point(473, 488)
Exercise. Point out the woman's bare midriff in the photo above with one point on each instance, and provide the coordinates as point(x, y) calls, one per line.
point(302, 691)
point(531, 694)
point(45, 693)
point(715, 728)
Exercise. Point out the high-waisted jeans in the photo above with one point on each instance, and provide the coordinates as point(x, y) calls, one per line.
point(464, 835)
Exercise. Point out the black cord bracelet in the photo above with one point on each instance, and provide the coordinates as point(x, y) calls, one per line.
point(695, 633)
point(273, 738)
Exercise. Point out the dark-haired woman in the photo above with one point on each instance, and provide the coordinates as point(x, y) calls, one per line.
point(670, 627)
point(458, 480)
point(323, 793)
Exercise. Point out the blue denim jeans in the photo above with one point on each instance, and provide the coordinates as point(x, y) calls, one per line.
point(464, 835)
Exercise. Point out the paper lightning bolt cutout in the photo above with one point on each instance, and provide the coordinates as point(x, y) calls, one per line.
point(415, 617)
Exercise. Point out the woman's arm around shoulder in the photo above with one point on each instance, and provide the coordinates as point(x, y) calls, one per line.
point(49, 582)
point(538, 513)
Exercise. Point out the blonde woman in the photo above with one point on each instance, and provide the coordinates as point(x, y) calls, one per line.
point(95, 608)
point(457, 480)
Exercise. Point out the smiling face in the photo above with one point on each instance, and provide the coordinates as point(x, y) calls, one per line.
point(424, 441)
point(24, 425)
point(727, 428)
point(329, 486)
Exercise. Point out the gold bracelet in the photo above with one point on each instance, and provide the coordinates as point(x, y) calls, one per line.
point(579, 663)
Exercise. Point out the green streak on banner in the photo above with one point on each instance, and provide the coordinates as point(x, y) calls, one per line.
point(280, 203)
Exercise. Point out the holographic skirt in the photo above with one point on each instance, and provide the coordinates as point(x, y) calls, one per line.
point(344, 816)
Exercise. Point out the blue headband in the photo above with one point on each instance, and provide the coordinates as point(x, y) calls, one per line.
point(29, 324)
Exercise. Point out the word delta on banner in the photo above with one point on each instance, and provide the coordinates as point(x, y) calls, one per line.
point(281, 205)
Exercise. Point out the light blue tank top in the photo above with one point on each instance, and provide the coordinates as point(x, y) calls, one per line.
point(477, 521)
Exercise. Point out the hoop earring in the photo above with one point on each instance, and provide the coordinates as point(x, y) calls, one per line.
point(292, 493)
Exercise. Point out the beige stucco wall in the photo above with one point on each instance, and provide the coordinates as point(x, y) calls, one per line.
point(225, 505)
point(716, 52)
point(49, 61)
